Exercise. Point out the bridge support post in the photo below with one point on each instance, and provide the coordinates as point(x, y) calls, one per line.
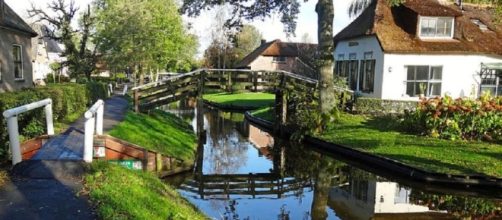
point(136, 101)
point(281, 109)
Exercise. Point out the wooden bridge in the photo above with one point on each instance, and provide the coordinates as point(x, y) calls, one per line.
point(176, 87)
point(253, 184)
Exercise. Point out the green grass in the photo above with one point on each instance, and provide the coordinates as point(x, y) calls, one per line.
point(160, 131)
point(120, 193)
point(266, 113)
point(248, 100)
point(382, 137)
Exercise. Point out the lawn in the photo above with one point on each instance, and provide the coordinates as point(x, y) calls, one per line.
point(121, 193)
point(159, 131)
point(266, 113)
point(249, 100)
point(382, 136)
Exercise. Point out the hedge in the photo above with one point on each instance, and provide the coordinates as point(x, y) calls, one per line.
point(68, 99)
point(374, 106)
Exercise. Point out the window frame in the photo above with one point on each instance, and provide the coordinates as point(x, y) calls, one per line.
point(428, 81)
point(16, 62)
point(279, 59)
point(497, 87)
point(367, 64)
point(420, 21)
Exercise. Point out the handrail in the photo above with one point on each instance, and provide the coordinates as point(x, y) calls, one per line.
point(24, 108)
point(13, 128)
point(170, 78)
point(93, 123)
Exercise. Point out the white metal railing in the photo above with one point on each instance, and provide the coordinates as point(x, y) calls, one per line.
point(124, 92)
point(13, 129)
point(110, 89)
point(93, 123)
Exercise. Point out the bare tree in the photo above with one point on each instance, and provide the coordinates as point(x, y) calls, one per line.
point(80, 60)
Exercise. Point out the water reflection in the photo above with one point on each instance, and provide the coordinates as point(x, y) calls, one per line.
point(243, 172)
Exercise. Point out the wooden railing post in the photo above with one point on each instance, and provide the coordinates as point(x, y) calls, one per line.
point(136, 100)
point(255, 81)
point(281, 106)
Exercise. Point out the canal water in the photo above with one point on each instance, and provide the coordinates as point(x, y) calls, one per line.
point(244, 172)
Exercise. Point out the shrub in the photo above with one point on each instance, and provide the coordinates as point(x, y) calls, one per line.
point(67, 100)
point(447, 118)
point(365, 105)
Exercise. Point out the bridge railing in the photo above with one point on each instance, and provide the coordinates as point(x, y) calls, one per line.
point(93, 124)
point(181, 85)
point(13, 128)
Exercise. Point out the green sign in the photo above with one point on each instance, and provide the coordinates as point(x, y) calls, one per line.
point(130, 164)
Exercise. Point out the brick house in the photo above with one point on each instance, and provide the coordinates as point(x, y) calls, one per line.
point(277, 55)
point(15, 51)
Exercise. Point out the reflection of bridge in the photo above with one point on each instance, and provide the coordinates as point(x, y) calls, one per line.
point(259, 184)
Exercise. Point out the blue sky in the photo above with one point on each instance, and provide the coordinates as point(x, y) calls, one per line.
point(271, 28)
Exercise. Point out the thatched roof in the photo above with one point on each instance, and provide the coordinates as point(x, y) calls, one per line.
point(396, 28)
point(9, 19)
point(275, 48)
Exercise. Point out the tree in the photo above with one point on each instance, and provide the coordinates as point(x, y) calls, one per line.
point(225, 51)
point(144, 35)
point(247, 40)
point(80, 59)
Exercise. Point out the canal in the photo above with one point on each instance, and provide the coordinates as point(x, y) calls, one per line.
point(244, 172)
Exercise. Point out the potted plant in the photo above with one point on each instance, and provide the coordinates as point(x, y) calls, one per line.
point(421, 88)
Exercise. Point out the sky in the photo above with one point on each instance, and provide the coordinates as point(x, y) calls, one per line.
point(271, 28)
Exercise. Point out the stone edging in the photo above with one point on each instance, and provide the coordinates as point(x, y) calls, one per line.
point(393, 166)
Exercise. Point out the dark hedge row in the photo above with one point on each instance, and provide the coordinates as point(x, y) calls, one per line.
point(67, 99)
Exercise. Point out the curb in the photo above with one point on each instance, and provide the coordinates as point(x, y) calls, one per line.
point(393, 166)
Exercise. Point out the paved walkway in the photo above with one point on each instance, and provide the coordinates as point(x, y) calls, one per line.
point(47, 187)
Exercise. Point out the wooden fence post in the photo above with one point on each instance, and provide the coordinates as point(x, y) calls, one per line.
point(281, 106)
point(136, 100)
point(255, 81)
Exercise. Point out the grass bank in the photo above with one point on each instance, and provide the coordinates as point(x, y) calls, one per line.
point(249, 100)
point(160, 131)
point(382, 136)
point(121, 193)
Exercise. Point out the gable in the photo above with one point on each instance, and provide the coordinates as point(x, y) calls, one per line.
point(396, 29)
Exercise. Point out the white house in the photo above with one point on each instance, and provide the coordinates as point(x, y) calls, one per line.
point(45, 51)
point(421, 47)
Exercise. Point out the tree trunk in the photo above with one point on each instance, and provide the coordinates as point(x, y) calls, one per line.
point(325, 14)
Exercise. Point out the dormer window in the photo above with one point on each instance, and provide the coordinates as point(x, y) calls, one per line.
point(436, 27)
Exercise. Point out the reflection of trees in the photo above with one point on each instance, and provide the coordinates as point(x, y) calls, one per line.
point(305, 164)
point(225, 149)
point(461, 206)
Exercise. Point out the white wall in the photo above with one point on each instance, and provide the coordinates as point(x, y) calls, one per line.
point(364, 44)
point(460, 73)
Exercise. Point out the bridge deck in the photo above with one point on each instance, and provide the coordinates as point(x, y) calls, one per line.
point(70, 144)
point(67, 146)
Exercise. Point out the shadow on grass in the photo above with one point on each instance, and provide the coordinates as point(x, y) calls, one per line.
point(431, 164)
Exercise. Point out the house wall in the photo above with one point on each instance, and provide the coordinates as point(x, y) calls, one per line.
point(7, 39)
point(460, 73)
point(267, 63)
point(359, 46)
point(41, 61)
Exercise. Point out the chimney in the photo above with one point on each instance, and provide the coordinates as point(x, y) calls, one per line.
point(263, 41)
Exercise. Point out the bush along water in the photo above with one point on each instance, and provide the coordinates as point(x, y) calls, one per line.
point(69, 101)
point(469, 119)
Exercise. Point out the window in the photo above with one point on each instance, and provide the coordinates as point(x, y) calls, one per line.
point(18, 62)
point(491, 84)
point(353, 66)
point(424, 80)
point(436, 27)
point(367, 75)
point(279, 59)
